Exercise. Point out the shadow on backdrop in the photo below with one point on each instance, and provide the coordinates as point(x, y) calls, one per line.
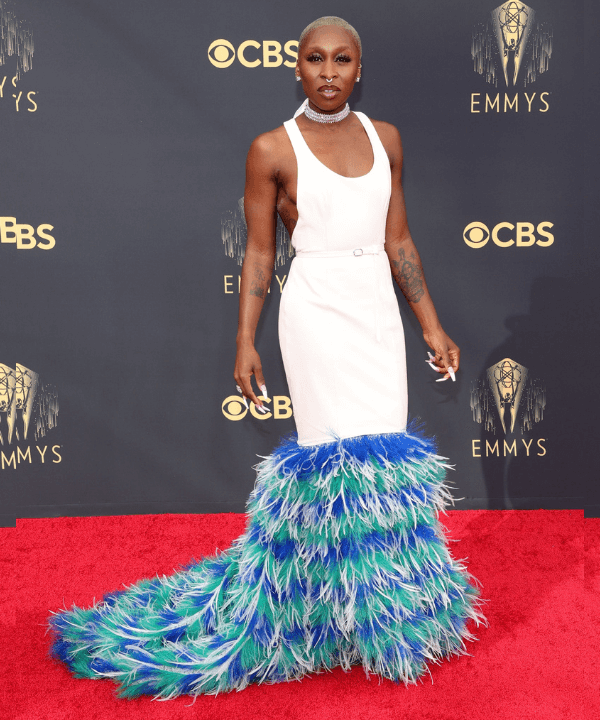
point(530, 399)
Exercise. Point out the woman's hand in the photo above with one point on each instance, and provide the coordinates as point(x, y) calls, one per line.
point(447, 352)
point(247, 363)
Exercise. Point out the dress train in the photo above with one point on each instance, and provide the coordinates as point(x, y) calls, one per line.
point(343, 562)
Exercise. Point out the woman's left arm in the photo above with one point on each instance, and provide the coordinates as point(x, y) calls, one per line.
point(406, 264)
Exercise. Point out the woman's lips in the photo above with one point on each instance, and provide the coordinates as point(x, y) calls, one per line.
point(328, 90)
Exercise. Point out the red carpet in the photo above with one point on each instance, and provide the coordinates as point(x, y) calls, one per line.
point(530, 663)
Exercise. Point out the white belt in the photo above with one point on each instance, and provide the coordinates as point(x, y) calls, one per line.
point(357, 252)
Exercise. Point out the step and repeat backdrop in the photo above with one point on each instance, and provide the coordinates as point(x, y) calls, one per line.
point(125, 129)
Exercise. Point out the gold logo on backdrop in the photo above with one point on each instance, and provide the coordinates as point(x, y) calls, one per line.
point(508, 398)
point(234, 409)
point(24, 236)
point(251, 53)
point(21, 102)
point(512, 24)
point(505, 234)
point(511, 44)
point(507, 379)
point(221, 53)
point(234, 233)
point(512, 48)
point(16, 40)
point(28, 407)
point(28, 411)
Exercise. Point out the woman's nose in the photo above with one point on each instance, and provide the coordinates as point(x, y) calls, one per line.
point(329, 70)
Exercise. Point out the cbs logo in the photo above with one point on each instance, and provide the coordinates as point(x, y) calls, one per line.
point(477, 234)
point(234, 409)
point(251, 53)
point(24, 235)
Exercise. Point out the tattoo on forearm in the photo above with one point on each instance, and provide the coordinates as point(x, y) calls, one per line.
point(408, 273)
point(258, 283)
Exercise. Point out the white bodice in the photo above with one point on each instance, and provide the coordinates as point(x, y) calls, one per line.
point(338, 213)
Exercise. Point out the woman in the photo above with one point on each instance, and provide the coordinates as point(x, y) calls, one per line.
point(344, 560)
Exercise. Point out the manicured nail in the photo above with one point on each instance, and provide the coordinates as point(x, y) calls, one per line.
point(451, 371)
point(245, 403)
point(443, 379)
point(262, 409)
point(435, 367)
point(263, 389)
point(239, 389)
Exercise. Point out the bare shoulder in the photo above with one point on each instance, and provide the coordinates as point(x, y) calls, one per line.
point(269, 141)
point(269, 150)
point(390, 138)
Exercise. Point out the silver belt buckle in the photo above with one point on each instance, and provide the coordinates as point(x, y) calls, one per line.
point(358, 252)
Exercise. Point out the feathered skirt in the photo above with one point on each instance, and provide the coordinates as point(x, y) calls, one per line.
point(344, 562)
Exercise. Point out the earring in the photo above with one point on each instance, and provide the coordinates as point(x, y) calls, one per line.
point(298, 78)
point(358, 79)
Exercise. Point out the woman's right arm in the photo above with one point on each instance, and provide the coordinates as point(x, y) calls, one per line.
point(260, 208)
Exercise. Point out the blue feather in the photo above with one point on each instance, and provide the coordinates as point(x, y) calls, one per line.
point(301, 461)
point(326, 573)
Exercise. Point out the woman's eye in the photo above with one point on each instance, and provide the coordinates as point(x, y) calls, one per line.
point(315, 57)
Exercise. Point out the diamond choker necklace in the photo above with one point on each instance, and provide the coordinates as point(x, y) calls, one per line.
point(323, 118)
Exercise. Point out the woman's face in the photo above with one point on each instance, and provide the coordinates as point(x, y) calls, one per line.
point(328, 53)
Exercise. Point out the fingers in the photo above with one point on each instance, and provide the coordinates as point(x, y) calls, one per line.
point(258, 374)
point(447, 355)
point(260, 381)
point(437, 363)
point(445, 360)
point(244, 387)
point(432, 362)
point(248, 392)
point(241, 392)
point(454, 353)
point(443, 363)
point(448, 375)
point(453, 361)
point(248, 364)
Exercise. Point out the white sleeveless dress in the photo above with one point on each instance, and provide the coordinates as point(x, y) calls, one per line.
point(340, 330)
point(344, 561)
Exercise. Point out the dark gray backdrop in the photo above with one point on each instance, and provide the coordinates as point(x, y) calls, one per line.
point(135, 155)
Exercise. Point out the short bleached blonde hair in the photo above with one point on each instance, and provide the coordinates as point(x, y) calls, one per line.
point(331, 20)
